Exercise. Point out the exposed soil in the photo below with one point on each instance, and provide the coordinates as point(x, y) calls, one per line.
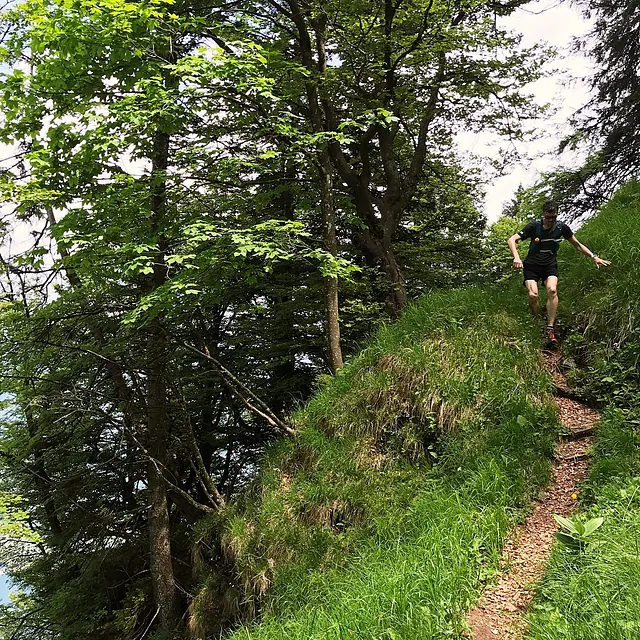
point(498, 613)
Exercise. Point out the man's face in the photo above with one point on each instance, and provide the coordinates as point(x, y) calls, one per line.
point(549, 219)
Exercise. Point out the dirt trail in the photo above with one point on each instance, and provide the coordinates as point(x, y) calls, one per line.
point(499, 611)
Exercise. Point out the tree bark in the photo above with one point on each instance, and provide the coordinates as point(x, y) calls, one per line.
point(376, 245)
point(330, 244)
point(161, 564)
point(329, 238)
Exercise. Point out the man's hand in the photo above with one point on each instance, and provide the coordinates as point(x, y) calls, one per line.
point(517, 263)
point(599, 262)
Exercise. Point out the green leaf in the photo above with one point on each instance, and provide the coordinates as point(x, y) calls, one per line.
point(566, 524)
point(591, 525)
point(569, 541)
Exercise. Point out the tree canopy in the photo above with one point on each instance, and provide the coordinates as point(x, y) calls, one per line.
point(219, 199)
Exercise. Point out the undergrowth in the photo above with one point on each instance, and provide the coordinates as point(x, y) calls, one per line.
point(388, 510)
point(595, 594)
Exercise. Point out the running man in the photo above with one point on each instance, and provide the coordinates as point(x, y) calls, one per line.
point(541, 262)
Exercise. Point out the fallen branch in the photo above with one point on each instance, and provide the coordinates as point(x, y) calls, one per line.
point(257, 406)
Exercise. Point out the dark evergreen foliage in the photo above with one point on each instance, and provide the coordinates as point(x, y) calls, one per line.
point(616, 51)
point(607, 126)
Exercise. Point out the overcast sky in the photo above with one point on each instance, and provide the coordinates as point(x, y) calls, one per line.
point(554, 22)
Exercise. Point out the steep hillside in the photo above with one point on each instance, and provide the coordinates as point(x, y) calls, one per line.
point(386, 512)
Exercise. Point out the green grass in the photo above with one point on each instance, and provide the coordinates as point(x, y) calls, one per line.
point(383, 517)
point(595, 595)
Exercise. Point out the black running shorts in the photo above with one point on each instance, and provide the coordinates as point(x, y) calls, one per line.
point(539, 271)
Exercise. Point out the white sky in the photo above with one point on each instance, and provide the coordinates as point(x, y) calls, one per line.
point(554, 22)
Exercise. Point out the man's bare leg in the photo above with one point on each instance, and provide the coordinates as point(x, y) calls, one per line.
point(551, 285)
point(532, 292)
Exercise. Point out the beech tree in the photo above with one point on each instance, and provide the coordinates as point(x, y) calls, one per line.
point(399, 79)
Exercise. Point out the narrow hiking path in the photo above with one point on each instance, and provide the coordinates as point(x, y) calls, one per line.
point(498, 613)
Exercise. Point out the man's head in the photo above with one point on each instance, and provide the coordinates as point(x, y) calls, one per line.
point(549, 213)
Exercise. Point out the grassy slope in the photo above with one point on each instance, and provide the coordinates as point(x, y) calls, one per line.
point(596, 595)
point(382, 518)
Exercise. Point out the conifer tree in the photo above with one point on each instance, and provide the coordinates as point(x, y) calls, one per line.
point(616, 51)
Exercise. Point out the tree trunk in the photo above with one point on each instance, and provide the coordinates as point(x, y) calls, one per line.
point(330, 244)
point(161, 565)
point(376, 243)
point(325, 171)
point(396, 299)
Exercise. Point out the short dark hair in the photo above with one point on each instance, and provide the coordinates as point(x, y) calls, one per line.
point(550, 207)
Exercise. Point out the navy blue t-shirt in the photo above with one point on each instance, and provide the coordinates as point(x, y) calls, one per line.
point(545, 255)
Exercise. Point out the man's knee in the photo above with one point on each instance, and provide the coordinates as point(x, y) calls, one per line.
point(533, 295)
point(552, 291)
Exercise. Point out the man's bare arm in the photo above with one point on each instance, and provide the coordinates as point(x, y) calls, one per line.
point(512, 242)
point(599, 262)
